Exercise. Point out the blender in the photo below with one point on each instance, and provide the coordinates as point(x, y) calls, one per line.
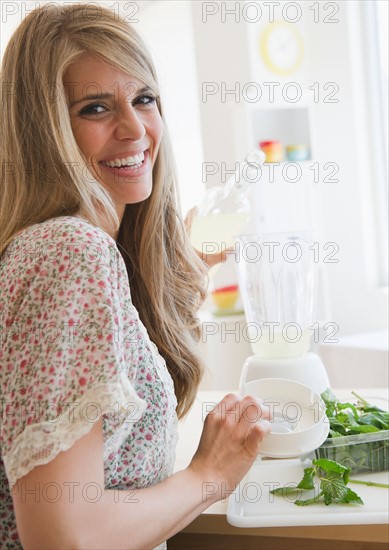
point(277, 283)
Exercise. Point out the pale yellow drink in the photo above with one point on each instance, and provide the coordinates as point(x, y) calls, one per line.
point(279, 347)
point(214, 233)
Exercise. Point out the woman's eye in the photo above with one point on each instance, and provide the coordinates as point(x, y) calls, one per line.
point(145, 100)
point(92, 109)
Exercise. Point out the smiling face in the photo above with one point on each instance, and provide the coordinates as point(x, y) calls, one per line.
point(118, 129)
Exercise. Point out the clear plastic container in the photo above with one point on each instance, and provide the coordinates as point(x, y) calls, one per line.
point(361, 453)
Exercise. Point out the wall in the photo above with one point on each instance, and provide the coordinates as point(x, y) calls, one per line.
point(348, 208)
point(358, 301)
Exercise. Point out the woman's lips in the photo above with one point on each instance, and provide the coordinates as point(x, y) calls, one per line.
point(132, 171)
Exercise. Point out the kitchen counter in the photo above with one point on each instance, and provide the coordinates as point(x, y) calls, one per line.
point(212, 531)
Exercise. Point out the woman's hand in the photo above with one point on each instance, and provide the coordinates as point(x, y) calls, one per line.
point(230, 442)
point(209, 259)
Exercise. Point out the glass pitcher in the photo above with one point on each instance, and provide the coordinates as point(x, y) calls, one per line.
point(276, 280)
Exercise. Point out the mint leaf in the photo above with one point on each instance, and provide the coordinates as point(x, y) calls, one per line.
point(347, 418)
point(333, 484)
point(336, 434)
point(342, 418)
point(308, 501)
point(307, 481)
point(350, 496)
point(342, 406)
point(372, 408)
point(363, 429)
point(328, 396)
point(351, 419)
point(333, 487)
point(284, 491)
point(337, 426)
point(377, 419)
point(329, 465)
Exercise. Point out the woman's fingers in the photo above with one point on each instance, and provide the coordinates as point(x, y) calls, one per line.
point(254, 409)
point(256, 434)
point(242, 411)
point(252, 413)
point(230, 440)
point(214, 259)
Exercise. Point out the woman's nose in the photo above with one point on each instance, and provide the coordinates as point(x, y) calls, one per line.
point(130, 125)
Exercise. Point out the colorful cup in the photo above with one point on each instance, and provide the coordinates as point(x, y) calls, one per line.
point(226, 297)
point(273, 150)
point(297, 153)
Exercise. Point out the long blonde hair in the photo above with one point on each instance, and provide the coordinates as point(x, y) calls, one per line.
point(44, 174)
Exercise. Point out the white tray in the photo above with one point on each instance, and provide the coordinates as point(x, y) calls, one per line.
point(252, 505)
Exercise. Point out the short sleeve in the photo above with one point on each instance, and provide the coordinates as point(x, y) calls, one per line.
point(63, 364)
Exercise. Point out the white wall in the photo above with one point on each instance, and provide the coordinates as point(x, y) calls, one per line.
point(349, 208)
point(341, 134)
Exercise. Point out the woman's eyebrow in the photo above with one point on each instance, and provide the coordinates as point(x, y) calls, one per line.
point(104, 96)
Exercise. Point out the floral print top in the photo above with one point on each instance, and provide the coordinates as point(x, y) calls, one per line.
point(73, 349)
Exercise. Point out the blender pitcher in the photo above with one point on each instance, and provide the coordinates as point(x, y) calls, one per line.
point(276, 280)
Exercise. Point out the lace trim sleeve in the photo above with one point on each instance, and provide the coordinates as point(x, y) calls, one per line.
point(41, 442)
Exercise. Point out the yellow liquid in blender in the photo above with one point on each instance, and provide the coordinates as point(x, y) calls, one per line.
point(279, 347)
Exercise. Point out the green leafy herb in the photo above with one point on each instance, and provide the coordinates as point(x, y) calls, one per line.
point(348, 419)
point(307, 481)
point(333, 484)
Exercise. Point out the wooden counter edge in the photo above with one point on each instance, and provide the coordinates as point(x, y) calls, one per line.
point(217, 524)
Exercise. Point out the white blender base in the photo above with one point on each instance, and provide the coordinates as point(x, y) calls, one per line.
point(308, 369)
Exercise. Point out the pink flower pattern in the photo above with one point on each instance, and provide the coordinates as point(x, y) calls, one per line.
point(68, 326)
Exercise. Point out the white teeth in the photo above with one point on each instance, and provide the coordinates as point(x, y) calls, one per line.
point(129, 161)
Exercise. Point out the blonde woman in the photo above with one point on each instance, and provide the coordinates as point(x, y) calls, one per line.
point(100, 290)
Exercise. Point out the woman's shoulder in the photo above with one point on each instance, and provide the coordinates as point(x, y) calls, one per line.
point(58, 245)
point(62, 228)
point(64, 233)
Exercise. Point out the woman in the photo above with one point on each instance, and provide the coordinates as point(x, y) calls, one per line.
point(100, 289)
